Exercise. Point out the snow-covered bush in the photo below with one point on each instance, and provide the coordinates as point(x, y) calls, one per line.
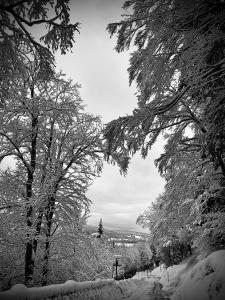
point(82, 258)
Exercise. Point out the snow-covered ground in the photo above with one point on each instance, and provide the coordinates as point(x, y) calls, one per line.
point(204, 280)
point(167, 276)
point(146, 289)
point(130, 289)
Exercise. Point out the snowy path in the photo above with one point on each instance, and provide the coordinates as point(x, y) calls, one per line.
point(147, 289)
point(145, 293)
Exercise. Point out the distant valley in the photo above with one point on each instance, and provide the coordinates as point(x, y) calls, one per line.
point(119, 234)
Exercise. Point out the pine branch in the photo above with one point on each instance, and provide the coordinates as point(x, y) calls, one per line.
point(195, 119)
point(165, 108)
point(8, 7)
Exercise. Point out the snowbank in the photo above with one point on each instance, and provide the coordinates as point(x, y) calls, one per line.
point(78, 290)
point(205, 280)
point(167, 276)
point(100, 289)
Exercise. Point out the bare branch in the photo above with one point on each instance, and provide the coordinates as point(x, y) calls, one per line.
point(19, 154)
point(9, 206)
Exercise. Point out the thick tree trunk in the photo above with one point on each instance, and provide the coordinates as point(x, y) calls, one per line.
point(46, 261)
point(29, 260)
point(29, 264)
point(38, 230)
point(49, 219)
point(44, 174)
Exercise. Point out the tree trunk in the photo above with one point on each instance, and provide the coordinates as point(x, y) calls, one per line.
point(44, 174)
point(49, 218)
point(29, 260)
point(46, 260)
point(29, 264)
point(38, 230)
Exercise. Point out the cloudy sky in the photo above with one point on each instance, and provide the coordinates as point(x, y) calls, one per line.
point(102, 73)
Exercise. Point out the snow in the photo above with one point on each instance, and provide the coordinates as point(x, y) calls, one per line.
point(144, 290)
point(204, 280)
point(100, 289)
point(86, 288)
point(125, 244)
point(137, 237)
point(167, 275)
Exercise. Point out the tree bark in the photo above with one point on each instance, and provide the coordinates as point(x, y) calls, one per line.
point(49, 218)
point(37, 230)
point(29, 260)
point(44, 174)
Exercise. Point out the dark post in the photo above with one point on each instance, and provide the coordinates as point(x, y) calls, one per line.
point(116, 266)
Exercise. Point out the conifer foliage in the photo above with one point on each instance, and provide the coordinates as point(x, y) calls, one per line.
point(100, 228)
point(178, 66)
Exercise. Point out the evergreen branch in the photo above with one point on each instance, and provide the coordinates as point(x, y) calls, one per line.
point(8, 7)
point(170, 125)
point(33, 42)
point(164, 108)
point(193, 116)
point(41, 21)
point(29, 23)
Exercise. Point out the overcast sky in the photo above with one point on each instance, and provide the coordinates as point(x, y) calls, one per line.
point(102, 72)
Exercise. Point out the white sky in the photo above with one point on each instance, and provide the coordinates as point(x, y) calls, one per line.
point(102, 72)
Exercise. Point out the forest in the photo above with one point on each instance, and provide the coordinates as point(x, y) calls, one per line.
point(58, 149)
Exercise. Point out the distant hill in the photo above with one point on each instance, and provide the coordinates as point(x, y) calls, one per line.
point(118, 233)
